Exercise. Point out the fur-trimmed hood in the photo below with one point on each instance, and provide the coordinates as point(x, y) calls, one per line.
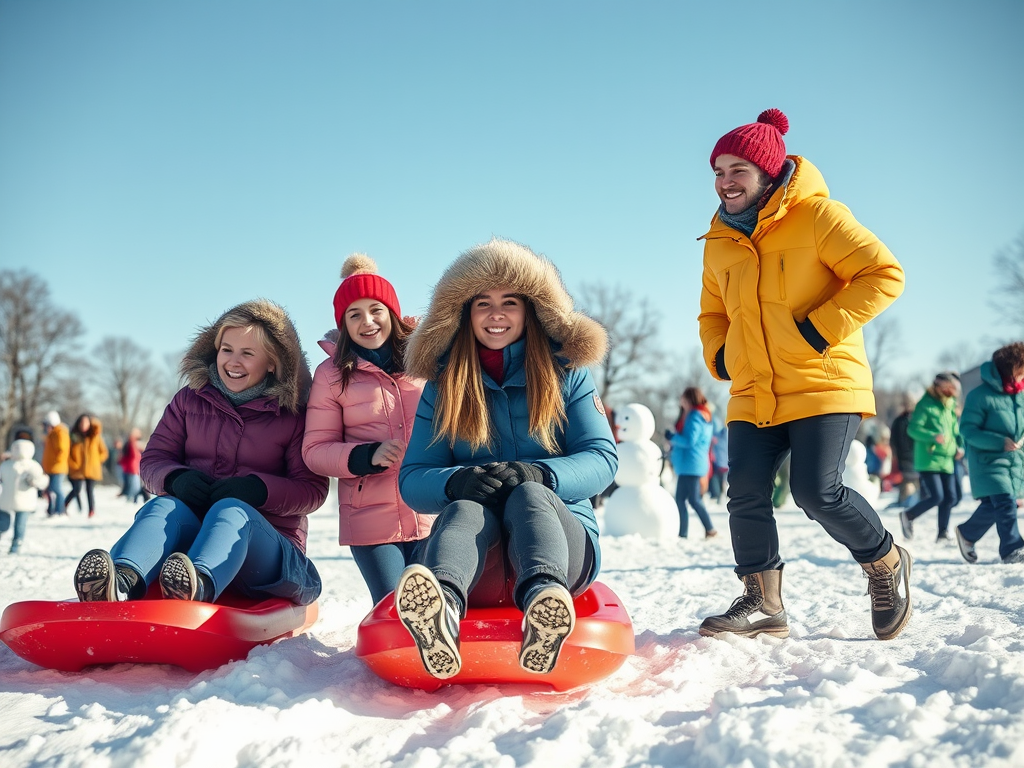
point(291, 380)
point(582, 341)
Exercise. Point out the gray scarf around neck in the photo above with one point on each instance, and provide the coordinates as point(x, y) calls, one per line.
point(746, 220)
point(238, 398)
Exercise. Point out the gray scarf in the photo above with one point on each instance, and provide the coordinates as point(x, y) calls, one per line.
point(238, 398)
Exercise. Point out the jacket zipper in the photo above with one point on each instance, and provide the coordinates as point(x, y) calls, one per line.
point(782, 276)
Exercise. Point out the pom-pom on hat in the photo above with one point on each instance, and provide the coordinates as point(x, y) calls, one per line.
point(759, 143)
point(359, 280)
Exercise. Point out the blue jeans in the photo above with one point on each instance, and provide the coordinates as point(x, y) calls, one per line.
point(487, 556)
point(233, 545)
point(382, 564)
point(133, 488)
point(688, 492)
point(56, 495)
point(1000, 510)
point(20, 523)
point(939, 491)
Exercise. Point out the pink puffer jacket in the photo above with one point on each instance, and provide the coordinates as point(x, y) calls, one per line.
point(374, 407)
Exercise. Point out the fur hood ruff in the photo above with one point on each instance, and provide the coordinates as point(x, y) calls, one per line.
point(290, 382)
point(582, 341)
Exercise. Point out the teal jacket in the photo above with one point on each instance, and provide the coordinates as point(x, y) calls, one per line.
point(584, 466)
point(990, 415)
point(932, 417)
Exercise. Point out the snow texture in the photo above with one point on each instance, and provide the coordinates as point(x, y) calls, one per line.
point(948, 692)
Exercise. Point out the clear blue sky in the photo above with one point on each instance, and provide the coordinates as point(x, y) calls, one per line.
point(162, 161)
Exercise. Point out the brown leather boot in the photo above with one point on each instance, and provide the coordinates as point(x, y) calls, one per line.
point(759, 610)
point(889, 587)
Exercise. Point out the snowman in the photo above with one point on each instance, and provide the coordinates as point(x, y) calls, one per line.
point(640, 504)
point(855, 475)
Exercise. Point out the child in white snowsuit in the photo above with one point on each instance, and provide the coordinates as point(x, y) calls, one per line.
point(22, 478)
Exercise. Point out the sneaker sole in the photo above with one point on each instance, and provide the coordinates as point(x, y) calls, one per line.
point(967, 550)
point(709, 629)
point(178, 578)
point(549, 619)
point(420, 606)
point(907, 565)
point(95, 578)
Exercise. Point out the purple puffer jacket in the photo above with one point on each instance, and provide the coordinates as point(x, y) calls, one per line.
point(201, 430)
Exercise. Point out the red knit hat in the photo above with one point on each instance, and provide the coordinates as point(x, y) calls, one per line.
point(759, 143)
point(359, 280)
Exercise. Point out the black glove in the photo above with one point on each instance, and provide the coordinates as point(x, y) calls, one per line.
point(192, 487)
point(513, 473)
point(247, 488)
point(359, 460)
point(668, 434)
point(473, 484)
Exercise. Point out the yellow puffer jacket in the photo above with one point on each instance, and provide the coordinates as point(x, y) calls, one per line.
point(55, 451)
point(808, 258)
point(85, 461)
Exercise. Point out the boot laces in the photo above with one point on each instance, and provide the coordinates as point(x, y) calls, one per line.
point(747, 603)
point(882, 588)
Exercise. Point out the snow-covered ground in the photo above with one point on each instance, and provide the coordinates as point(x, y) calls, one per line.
point(948, 692)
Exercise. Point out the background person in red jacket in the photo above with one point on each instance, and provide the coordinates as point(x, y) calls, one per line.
point(227, 454)
point(360, 416)
point(130, 463)
point(790, 278)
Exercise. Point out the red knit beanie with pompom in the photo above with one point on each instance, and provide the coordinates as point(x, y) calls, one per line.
point(759, 143)
point(359, 280)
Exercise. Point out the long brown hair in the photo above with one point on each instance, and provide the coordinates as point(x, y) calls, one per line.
point(461, 411)
point(345, 358)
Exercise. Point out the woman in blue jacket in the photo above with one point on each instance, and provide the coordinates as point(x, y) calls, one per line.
point(691, 458)
point(510, 443)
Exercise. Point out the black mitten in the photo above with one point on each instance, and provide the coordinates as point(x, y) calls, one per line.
point(473, 484)
point(513, 474)
point(247, 488)
point(192, 487)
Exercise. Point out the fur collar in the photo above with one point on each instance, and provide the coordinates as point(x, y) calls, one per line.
point(581, 341)
point(292, 379)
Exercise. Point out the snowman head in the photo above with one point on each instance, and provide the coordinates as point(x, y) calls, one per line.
point(857, 455)
point(634, 422)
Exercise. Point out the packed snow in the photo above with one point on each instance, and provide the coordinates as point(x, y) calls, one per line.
point(948, 692)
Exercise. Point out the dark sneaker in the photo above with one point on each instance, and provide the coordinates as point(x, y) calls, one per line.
point(548, 618)
point(178, 578)
point(432, 620)
point(966, 547)
point(1015, 558)
point(97, 580)
point(758, 611)
point(943, 537)
point(906, 525)
point(889, 587)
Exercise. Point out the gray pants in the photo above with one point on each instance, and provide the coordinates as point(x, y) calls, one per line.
point(486, 556)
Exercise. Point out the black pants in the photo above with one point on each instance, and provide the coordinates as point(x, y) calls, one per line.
point(818, 446)
point(76, 489)
point(486, 556)
point(939, 490)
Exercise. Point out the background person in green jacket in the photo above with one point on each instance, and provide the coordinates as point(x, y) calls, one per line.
point(937, 444)
point(993, 430)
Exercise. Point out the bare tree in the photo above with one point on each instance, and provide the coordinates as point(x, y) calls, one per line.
point(962, 357)
point(37, 338)
point(1008, 296)
point(126, 379)
point(882, 341)
point(634, 353)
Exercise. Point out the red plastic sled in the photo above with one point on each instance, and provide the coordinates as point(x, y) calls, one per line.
point(490, 640)
point(70, 635)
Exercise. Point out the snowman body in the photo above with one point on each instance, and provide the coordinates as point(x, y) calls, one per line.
point(855, 474)
point(640, 504)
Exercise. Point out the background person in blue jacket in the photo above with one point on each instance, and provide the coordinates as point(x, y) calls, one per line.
point(992, 426)
point(510, 443)
point(691, 458)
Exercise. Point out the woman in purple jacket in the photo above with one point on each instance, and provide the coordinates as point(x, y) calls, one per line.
point(226, 458)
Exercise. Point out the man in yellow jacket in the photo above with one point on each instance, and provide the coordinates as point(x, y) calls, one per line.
point(55, 461)
point(790, 277)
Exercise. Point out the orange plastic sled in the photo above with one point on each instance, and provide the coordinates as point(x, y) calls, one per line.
point(70, 635)
point(490, 640)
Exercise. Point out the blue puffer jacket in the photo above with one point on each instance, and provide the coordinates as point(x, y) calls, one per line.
point(691, 447)
point(585, 465)
point(990, 416)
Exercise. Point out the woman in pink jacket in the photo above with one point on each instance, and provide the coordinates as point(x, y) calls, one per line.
point(360, 415)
